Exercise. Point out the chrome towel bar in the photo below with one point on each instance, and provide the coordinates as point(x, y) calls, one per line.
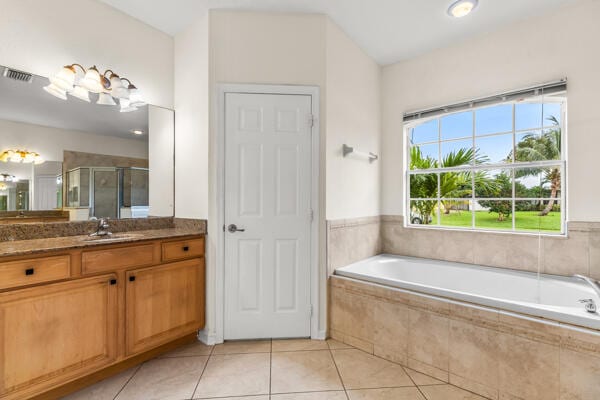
point(349, 150)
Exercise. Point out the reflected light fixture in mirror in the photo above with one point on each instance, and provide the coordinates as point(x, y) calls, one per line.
point(109, 86)
point(21, 156)
point(8, 178)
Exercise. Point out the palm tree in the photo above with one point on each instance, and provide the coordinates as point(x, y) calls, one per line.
point(546, 146)
point(452, 184)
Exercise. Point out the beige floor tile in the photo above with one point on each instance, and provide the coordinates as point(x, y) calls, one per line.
point(422, 379)
point(193, 349)
point(405, 393)
point(264, 397)
point(447, 392)
point(311, 396)
point(165, 379)
point(304, 371)
point(235, 375)
point(336, 345)
point(106, 389)
point(243, 347)
point(298, 345)
point(360, 370)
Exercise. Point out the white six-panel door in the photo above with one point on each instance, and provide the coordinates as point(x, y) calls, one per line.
point(268, 200)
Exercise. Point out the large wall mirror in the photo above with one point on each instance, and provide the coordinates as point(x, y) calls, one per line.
point(72, 160)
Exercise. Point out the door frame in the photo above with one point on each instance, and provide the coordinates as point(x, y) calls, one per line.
point(313, 91)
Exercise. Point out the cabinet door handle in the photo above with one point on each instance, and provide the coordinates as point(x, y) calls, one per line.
point(113, 281)
point(131, 278)
point(29, 271)
point(186, 248)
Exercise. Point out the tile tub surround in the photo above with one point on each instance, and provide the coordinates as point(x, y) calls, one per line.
point(498, 355)
point(296, 369)
point(579, 253)
point(351, 240)
point(63, 229)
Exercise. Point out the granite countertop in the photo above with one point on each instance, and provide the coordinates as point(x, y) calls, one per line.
point(36, 246)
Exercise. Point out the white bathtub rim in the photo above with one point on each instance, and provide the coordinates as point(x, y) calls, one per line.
point(546, 316)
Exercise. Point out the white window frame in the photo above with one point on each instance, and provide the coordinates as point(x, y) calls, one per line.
point(489, 167)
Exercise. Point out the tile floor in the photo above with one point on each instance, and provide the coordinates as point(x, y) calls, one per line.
point(298, 369)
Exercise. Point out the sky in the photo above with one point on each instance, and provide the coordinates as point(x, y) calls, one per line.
point(458, 128)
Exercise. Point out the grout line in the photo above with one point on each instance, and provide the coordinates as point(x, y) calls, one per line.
point(413, 381)
point(202, 373)
point(128, 380)
point(339, 374)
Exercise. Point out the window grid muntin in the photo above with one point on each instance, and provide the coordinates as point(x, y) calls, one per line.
point(472, 168)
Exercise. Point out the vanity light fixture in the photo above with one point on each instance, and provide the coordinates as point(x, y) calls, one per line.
point(21, 156)
point(79, 82)
point(462, 8)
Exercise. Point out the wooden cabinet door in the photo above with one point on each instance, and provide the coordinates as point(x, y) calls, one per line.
point(163, 303)
point(54, 333)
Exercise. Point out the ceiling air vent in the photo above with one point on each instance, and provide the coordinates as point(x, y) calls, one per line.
point(18, 75)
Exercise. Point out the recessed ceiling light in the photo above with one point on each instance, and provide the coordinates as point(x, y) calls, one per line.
point(462, 8)
point(137, 132)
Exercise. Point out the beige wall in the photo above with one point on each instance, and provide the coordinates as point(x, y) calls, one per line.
point(547, 48)
point(192, 117)
point(42, 36)
point(161, 153)
point(353, 118)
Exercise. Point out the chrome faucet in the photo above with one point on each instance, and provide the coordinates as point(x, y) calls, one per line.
point(102, 229)
point(590, 304)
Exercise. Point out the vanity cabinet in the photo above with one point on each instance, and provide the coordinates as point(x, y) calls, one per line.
point(36, 270)
point(56, 332)
point(163, 303)
point(85, 311)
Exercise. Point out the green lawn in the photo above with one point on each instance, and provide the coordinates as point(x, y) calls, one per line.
point(524, 220)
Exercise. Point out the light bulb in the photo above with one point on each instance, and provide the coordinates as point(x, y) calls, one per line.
point(135, 97)
point(119, 90)
point(65, 78)
point(80, 93)
point(56, 91)
point(126, 106)
point(462, 8)
point(92, 81)
point(16, 157)
point(105, 99)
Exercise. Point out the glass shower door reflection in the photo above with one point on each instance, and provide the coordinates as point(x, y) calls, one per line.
point(106, 193)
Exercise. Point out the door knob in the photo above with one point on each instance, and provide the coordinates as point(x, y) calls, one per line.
point(233, 229)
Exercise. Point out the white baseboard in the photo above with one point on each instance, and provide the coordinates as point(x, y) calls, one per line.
point(321, 335)
point(207, 338)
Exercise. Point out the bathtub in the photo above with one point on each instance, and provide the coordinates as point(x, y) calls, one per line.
point(546, 296)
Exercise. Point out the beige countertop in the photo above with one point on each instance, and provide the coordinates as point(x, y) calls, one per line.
point(36, 246)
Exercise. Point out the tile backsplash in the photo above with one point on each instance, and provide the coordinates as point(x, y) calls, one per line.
point(26, 231)
point(351, 240)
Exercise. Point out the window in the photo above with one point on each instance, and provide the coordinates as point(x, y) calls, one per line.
point(495, 164)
